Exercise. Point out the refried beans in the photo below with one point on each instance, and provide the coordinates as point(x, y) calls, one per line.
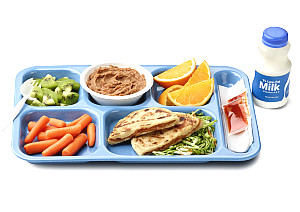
point(116, 81)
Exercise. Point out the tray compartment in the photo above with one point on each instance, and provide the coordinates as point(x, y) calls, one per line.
point(157, 90)
point(55, 72)
point(228, 78)
point(64, 114)
point(113, 116)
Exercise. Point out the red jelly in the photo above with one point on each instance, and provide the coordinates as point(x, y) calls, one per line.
point(236, 115)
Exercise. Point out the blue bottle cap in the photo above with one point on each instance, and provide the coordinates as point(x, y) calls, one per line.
point(275, 37)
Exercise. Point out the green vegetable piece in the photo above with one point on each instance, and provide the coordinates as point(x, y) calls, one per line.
point(49, 82)
point(37, 103)
point(76, 85)
point(62, 79)
point(69, 98)
point(66, 85)
point(59, 93)
point(48, 95)
point(37, 93)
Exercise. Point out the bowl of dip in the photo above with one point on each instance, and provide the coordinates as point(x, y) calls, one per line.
point(116, 83)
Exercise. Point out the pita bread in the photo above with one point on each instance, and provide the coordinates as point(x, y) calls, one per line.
point(141, 122)
point(162, 139)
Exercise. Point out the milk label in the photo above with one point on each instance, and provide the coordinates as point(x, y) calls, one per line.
point(270, 89)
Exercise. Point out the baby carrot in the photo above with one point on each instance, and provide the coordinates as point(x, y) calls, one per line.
point(91, 133)
point(41, 123)
point(57, 123)
point(58, 146)
point(59, 132)
point(31, 124)
point(73, 147)
point(38, 147)
point(76, 121)
point(41, 136)
point(85, 121)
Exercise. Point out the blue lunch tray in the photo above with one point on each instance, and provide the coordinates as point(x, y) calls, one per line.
point(105, 118)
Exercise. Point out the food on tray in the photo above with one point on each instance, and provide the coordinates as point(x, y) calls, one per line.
point(236, 117)
point(116, 81)
point(141, 122)
point(194, 95)
point(200, 74)
point(73, 147)
point(59, 132)
point(52, 140)
point(163, 139)
point(31, 124)
point(91, 132)
point(59, 145)
point(38, 147)
point(195, 92)
point(178, 75)
point(76, 121)
point(41, 123)
point(50, 92)
point(56, 122)
point(163, 98)
point(200, 142)
point(194, 129)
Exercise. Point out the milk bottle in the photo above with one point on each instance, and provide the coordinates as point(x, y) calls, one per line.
point(270, 85)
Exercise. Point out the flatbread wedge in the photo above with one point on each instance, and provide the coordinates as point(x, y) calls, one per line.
point(163, 139)
point(141, 122)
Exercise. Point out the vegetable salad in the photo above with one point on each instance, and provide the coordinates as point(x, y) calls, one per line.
point(200, 142)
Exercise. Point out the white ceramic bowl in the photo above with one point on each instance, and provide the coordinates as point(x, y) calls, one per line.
point(116, 100)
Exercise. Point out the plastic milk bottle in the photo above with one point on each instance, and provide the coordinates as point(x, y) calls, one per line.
point(270, 85)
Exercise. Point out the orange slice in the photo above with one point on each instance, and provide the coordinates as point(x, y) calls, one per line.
point(163, 97)
point(194, 95)
point(200, 74)
point(179, 75)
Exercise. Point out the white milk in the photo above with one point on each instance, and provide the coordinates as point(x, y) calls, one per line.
point(270, 85)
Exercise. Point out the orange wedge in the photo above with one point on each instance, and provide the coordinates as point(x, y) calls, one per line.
point(200, 74)
point(163, 97)
point(179, 75)
point(194, 95)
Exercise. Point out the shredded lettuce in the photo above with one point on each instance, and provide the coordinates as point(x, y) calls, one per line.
point(200, 142)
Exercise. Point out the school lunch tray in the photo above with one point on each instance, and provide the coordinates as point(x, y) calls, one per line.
point(105, 118)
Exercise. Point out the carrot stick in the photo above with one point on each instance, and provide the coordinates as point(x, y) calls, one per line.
point(57, 123)
point(76, 121)
point(41, 123)
point(60, 132)
point(41, 136)
point(73, 147)
point(59, 145)
point(85, 121)
point(31, 124)
point(38, 147)
point(91, 133)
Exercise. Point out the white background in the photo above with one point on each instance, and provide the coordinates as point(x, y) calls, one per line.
point(151, 32)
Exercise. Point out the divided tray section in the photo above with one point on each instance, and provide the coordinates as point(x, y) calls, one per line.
point(39, 72)
point(65, 114)
point(157, 90)
point(111, 118)
point(227, 77)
